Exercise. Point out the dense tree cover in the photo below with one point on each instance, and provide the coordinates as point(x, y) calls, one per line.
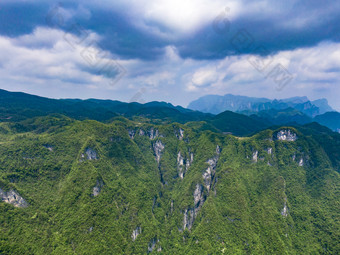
point(55, 163)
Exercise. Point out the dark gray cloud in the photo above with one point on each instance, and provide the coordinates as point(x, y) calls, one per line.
point(299, 24)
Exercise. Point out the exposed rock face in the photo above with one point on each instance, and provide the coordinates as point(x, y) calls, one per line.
point(209, 174)
point(284, 211)
point(269, 151)
point(218, 150)
point(188, 219)
point(97, 188)
point(301, 163)
point(91, 154)
point(152, 245)
point(180, 163)
point(191, 213)
point(183, 164)
point(153, 133)
point(158, 148)
point(180, 134)
point(132, 133)
point(191, 157)
point(198, 197)
point(141, 132)
point(49, 147)
point(255, 154)
point(136, 233)
point(286, 135)
point(13, 198)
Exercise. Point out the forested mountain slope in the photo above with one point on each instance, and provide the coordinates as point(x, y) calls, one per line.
point(128, 187)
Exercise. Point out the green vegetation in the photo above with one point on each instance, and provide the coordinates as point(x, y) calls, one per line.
point(266, 196)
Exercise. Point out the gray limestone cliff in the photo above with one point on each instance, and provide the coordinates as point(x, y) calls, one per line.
point(12, 197)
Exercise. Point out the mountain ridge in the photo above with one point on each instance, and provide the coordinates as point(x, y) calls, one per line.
point(216, 104)
point(126, 187)
point(18, 106)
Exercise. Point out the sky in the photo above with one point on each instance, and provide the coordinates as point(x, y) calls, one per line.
point(171, 50)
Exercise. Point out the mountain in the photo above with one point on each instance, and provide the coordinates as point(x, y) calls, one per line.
point(237, 124)
point(281, 117)
point(216, 104)
point(330, 120)
point(132, 187)
point(323, 106)
point(16, 107)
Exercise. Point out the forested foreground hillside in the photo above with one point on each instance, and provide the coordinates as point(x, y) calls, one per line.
point(126, 187)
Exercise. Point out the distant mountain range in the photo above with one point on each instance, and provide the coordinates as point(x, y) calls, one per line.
point(216, 104)
point(251, 116)
point(298, 110)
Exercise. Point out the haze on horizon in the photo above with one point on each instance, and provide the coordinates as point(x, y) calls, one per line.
point(174, 51)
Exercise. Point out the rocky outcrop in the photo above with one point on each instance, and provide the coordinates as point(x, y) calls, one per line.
point(90, 154)
point(136, 233)
point(301, 163)
point(191, 213)
point(209, 173)
point(198, 197)
point(132, 133)
point(180, 164)
point(49, 147)
point(12, 197)
point(179, 134)
point(255, 155)
point(153, 133)
point(141, 132)
point(286, 135)
point(153, 244)
point(269, 150)
point(284, 211)
point(97, 189)
point(188, 219)
point(158, 148)
point(183, 164)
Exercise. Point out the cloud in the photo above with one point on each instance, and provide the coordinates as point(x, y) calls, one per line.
point(175, 50)
point(47, 57)
point(315, 72)
point(142, 29)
